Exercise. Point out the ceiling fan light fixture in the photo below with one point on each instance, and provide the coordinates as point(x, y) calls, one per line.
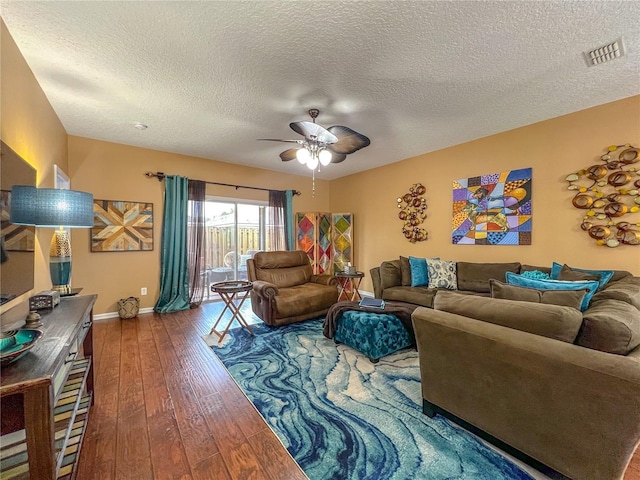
point(321, 146)
point(303, 155)
point(325, 157)
point(312, 163)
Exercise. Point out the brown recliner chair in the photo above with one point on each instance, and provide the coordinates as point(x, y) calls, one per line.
point(286, 291)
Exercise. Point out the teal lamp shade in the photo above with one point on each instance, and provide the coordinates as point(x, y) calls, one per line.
point(50, 207)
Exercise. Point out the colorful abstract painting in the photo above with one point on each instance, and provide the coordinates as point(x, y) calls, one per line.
point(341, 240)
point(17, 238)
point(122, 226)
point(493, 209)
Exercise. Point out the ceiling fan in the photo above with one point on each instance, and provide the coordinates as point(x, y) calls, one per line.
point(321, 145)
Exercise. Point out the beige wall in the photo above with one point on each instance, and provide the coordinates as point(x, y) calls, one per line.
point(553, 149)
point(32, 129)
point(115, 172)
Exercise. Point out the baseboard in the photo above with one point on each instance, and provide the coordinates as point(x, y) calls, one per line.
point(104, 316)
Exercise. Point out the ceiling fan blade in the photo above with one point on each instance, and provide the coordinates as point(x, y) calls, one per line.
point(349, 141)
point(289, 155)
point(337, 157)
point(313, 131)
point(280, 140)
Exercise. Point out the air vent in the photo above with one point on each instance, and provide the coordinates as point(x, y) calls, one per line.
point(605, 53)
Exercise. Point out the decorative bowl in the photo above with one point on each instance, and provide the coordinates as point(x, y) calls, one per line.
point(15, 343)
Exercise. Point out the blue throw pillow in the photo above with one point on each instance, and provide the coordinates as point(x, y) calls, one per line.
point(419, 272)
point(604, 275)
point(520, 281)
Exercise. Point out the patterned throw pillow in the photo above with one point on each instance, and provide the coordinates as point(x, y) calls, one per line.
point(442, 274)
point(520, 281)
point(536, 275)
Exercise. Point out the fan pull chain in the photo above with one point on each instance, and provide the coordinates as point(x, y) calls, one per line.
point(313, 183)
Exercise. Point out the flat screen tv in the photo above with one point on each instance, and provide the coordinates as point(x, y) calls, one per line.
point(17, 242)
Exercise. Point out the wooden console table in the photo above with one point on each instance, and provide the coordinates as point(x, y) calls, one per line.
point(46, 396)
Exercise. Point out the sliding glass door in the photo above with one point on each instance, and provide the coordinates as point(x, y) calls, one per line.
point(235, 230)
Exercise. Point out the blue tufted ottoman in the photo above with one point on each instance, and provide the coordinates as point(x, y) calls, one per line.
point(374, 334)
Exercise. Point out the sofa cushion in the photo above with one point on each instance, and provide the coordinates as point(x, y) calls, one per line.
point(626, 290)
point(619, 275)
point(476, 276)
point(568, 298)
point(553, 321)
point(284, 269)
point(280, 259)
point(611, 326)
point(300, 299)
point(442, 274)
point(575, 276)
point(405, 271)
point(520, 281)
point(390, 275)
point(603, 275)
point(419, 272)
point(284, 277)
point(416, 295)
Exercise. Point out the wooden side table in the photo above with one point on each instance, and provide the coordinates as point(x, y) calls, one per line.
point(229, 291)
point(348, 284)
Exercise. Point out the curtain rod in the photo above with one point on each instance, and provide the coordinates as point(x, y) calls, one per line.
point(160, 176)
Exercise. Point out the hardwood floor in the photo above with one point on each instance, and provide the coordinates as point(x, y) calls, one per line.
point(166, 408)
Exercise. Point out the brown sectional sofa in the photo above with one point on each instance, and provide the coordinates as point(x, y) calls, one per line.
point(554, 386)
point(392, 280)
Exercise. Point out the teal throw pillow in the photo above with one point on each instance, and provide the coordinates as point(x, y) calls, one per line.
point(604, 275)
point(520, 281)
point(419, 272)
point(536, 274)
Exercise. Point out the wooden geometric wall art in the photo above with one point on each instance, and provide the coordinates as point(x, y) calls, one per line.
point(341, 240)
point(607, 193)
point(412, 207)
point(122, 226)
point(493, 209)
point(17, 238)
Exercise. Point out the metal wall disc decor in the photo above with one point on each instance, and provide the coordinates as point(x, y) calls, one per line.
point(607, 193)
point(412, 212)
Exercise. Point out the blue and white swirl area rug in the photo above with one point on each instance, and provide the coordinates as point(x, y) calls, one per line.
point(342, 417)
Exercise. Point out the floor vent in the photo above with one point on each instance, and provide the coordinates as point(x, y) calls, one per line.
point(605, 53)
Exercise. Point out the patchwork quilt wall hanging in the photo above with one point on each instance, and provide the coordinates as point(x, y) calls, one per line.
point(493, 209)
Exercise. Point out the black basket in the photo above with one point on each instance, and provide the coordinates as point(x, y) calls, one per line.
point(128, 307)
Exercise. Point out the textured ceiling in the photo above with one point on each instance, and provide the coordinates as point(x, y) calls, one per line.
point(209, 78)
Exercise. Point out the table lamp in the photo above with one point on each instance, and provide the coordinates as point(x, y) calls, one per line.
point(50, 207)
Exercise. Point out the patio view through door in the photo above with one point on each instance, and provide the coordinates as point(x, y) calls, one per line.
point(235, 231)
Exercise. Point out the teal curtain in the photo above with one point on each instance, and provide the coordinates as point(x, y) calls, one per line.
point(290, 232)
point(174, 279)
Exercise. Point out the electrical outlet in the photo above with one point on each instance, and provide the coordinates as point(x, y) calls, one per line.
point(143, 291)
